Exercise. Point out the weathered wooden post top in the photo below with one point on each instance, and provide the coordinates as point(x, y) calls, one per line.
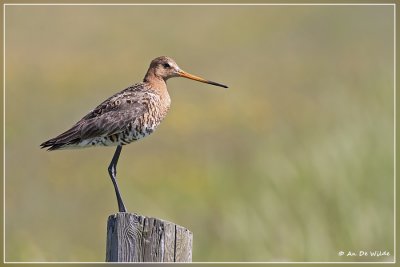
point(135, 238)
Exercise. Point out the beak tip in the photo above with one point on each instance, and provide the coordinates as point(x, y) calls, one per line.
point(220, 85)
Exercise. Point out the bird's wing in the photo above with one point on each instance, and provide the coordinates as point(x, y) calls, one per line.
point(110, 117)
point(115, 113)
point(121, 100)
point(112, 120)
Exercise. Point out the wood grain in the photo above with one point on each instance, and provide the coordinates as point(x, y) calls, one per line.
point(136, 238)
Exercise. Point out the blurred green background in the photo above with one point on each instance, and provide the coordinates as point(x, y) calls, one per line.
point(294, 162)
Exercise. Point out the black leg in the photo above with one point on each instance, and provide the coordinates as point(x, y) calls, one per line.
point(112, 170)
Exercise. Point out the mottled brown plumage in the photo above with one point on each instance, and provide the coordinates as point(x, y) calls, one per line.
point(129, 115)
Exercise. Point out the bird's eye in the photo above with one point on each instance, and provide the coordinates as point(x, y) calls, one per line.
point(166, 65)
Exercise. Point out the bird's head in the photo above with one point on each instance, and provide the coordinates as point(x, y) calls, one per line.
point(165, 68)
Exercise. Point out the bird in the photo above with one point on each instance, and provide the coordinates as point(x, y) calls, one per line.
point(125, 117)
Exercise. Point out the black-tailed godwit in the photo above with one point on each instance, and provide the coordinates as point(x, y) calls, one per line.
point(127, 116)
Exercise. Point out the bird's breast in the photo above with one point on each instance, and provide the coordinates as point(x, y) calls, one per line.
point(144, 125)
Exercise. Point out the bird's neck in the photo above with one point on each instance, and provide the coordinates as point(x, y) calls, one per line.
point(155, 81)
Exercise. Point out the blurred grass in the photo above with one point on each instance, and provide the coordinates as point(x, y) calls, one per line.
point(293, 162)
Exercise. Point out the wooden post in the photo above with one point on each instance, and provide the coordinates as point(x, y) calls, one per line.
point(135, 238)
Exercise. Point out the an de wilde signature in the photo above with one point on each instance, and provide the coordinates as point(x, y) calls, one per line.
point(365, 253)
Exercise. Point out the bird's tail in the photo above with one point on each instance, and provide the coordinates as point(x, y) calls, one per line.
point(68, 138)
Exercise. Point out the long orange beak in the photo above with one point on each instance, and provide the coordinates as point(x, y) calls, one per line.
point(184, 74)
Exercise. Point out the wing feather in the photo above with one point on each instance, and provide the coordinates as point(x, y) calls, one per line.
point(110, 117)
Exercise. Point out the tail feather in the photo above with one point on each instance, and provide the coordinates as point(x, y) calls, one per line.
point(70, 137)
